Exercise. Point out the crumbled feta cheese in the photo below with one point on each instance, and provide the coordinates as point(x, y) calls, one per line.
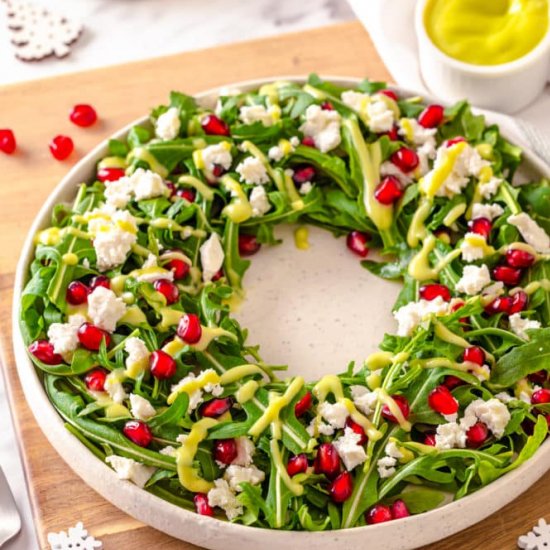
point(258, 113)
point(105, 308)
point(137, 351)
point(533, 234)
point(305, 188)
point(141, 408)
point(335, 414)
point(113, 386)
point(168, 124)
point(390, 169)
point(294, 141)
point(323, 126)
point(275, 153)
point(493, 413)
point(245, 451)
point(259, 201)
point(86, 263)
point(216, 155)
point(147, 185)
point(450, 436)
point(235, 475)
point(415, 133)
point(386, 467)
point(473, 279)
point(392, 450)
point(168, 451)
point(212, 257)
point(364, 399)
point(118, 193)
point(64, 336)
point(505, 397)
point(129, 469)
point(379, 115)
point(483, 373)
point(195, 399)
point(253, 171)
point(409, 316)
point(151, 272)
point(318, 427)
point(223, 497)
point(425, 153)
point(215, 389)
point(349, 449)
point(357, 101)
point(450, 417)
point(494, 290)
point(490, 188)
point(473, 247)
point(519, 325)
point(489, 211)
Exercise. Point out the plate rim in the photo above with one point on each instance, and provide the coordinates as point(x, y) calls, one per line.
point(213, 533)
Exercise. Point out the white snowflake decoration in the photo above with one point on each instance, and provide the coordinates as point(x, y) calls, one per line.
point(76, 539)
point(38, 33)
point(537, 539)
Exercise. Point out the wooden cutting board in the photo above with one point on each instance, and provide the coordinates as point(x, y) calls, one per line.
point(37, 111)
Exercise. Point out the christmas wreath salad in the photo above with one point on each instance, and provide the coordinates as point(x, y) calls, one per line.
point(127, 311)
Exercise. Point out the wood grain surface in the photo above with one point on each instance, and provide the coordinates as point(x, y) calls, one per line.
point(37, 111)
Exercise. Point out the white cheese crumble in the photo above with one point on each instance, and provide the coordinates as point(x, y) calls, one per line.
point(473, 247)
point(349, 449)
point(533, 234)
point(212, 257)
point(168, 124)
point(473, 279)
point(118, 193)
point(493, 413)
point(364, 399)
point(64, 336)
point(105, 308)
point(235, 475)
point(129, 469)
point(318, 427)
point(245, 451)
point(113, 386)
point(490, 188)
point(374, 109)
point(223, 497)
point(323, 126)
point(416, 133)
point(148, 185)
point(253, 171)
point(305, 188)
point(168, 451)
point(258, 113)
point(450, 436)
point(409, 316)
point(386, 465)
point(195, 399)
point(390, 169)
point(294, 141)
point(141, 408)
point(519, 325)
point(151, 271)
point(275, 153)
point(494, 290)
point(505, 397)
point(259, 201)
point(489, 211)
point(218, 154)
point(137, 351)
point(335, 414)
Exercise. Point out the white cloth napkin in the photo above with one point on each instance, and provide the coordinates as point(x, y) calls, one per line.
point(390, 25)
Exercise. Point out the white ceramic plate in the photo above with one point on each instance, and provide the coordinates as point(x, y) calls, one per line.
point(314, 310)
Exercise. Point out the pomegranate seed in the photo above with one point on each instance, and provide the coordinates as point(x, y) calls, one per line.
point(43, 351)
point(214, 126)
point(540, 377)
point(454, 141)
point(302, 174)
point(201, 505)
point(431, 116)
point(342, 487)
point(248, 245)
point(389, 93)
point(100, 280)
point(356, 241)
point(379, 513)
point(303, 405)
point(327, 461)
point(91, 336)
point(429, 439)
point(519, 258)
point(218, 170)
point(453, 382)
point(388, 191)
point(297, 465)
point(7, 141)
point(474, 354)
point(218, 275)
point(476, 435)
point(540, 396)
point(187, 194)
point(178, 267)
point(95, 379)
point(168, 289)
point(502, 304)
point(308, 141)
point(405, 159)
point(327, 106)
point(83, 115)
point(393, 134)
point(399, 510)
point(481, 226)
point(189, 328)
point(519, 302)
point(225, 450)
point(162, 365)
point(61, 147)
point(358, 429)
point(457, 304)
point(441, 400)
point(138, 432)
point(403, 405)
point(77, 293)
point(110, 174)
point(171, 187)
point(510, 276)
point(435, 290)
point(216, 407)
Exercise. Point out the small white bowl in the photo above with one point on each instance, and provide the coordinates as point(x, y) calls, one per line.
point(507, 87)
